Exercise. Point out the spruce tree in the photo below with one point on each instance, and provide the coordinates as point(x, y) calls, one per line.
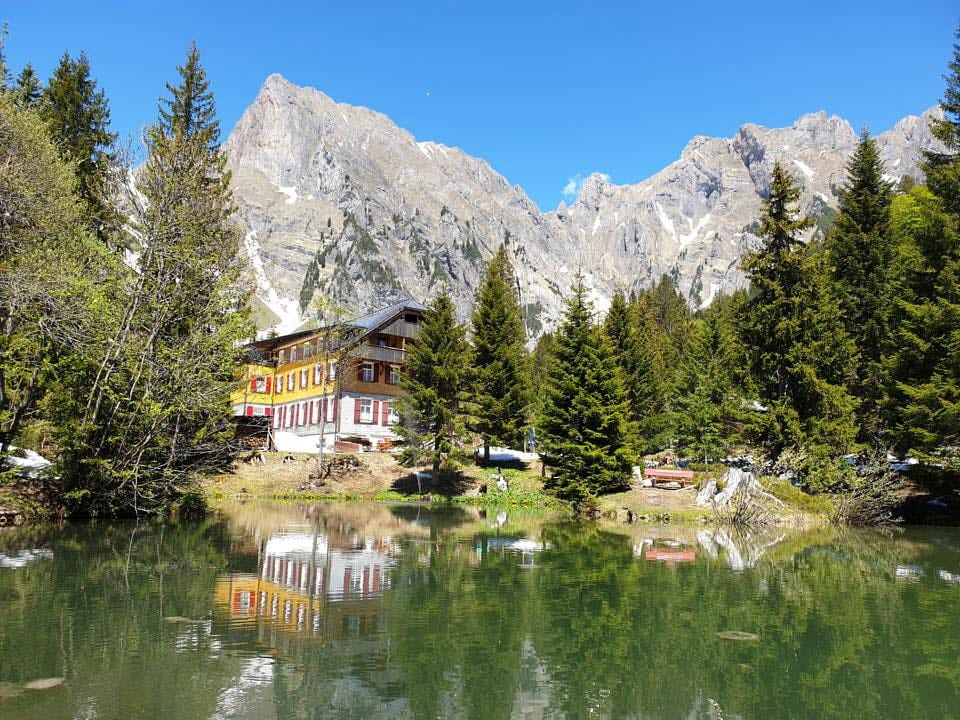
point(621, 331)
point(191, 108)
point(79, 119)
point(924, 402)
point(432, 413)
point(154, 412)
point(500, 363)
point(707, 391)
point(584, 430)
point(861, 253)
point(800, 354)
point(26, 90)
point(650, 384)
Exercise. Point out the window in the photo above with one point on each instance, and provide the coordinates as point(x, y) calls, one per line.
point(392, 417)
point(411, 318)
point(304, 376)
point(278, 384)
point(394, 377)
point(291, 382)
point(293, 354)
point(366, 372)
point(382, 341)
point(331, 405)
point(332, 371)
point(317, 374)
point(366, 410)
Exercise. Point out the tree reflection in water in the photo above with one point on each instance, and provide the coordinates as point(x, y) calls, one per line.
point(371, 611)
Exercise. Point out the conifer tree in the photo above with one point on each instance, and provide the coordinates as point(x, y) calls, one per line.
point(925, 368)
point(79, 119)
point(650, 384)
point(154, 410)
point(861, 253)
point(707, 397)
point(191, 108)
point(500, 363)
point(800, 354)
point(620, 328)
point(584, 430)
point(432, 414)
point(26, 90)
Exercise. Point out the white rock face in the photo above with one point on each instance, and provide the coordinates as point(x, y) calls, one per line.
point(338, 200)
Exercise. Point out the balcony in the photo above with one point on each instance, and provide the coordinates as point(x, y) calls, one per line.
point(395, 356)
point(401, 328)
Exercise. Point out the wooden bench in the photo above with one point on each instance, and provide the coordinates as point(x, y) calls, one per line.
point(683, 477)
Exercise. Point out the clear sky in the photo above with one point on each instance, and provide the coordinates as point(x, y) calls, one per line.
point(546, 92)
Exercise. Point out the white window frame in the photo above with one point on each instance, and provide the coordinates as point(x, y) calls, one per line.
point(304, 378)
point(393, 417)
point(317, 374)
point(278, 384)
point(363, 372)
point(366, 410)
point(331, 404)
point(332, 370)
point(393, 376)
point(291, 381)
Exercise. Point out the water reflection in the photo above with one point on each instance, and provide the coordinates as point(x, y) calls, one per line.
point(371, 611)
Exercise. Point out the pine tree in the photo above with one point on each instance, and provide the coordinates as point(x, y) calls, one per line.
point(941, 168)
point(154, 410)
point(191, 108)
point(584, 430)
point(79, 119)
point(650, 384)
point(432, 414)
point(861, 253)
point(4, 70)
point(26, 91)
point(500, 363)
point(706, 416)
point(800, 355)
point(620, 328)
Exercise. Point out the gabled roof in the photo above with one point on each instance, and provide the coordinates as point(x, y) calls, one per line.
point(369, 323)
point(380, 317)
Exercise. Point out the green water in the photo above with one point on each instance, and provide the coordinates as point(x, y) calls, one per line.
point(369, 611)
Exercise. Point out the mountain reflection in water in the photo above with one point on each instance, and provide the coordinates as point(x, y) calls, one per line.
point(373, 611)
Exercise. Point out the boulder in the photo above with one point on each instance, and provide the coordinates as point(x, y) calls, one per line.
point(706, 494)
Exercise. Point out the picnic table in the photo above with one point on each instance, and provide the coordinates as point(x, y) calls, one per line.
point(683, 477)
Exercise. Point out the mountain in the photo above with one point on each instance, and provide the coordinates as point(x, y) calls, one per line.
point(339, 201)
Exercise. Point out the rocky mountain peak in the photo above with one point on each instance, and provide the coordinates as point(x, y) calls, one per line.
point(339, 200)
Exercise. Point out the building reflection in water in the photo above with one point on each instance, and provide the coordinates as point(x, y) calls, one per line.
point(299, 574)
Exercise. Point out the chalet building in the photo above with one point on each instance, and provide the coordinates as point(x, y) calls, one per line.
point(335, 384)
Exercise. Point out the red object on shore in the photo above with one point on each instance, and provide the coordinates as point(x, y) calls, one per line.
point(681, 476)
point(670, 556)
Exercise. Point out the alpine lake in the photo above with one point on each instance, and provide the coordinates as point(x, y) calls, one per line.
point(365, 610)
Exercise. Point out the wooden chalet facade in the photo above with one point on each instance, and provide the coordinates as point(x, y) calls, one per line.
point(337, 385)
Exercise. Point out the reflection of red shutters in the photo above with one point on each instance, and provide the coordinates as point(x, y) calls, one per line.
point(249, 410)
point(376, 411)
point(253, 383)
point(356, 410)
point(268, 384)
point(267, 412)
point(385, 413)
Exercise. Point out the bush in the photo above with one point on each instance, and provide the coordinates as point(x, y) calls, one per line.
point(871, 498)
point(191, 505)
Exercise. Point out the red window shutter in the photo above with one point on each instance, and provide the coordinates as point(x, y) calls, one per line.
point(268, 384)
point(376, 411)
point(356, 410)
point(385, 412)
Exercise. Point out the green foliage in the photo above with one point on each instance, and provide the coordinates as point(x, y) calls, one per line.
point(78, 116)
point(800, 356)
point(190, 110)
point(584, 429)
point(500, 382)
point(860, 255)
point(432, 414)
point(148, 410)
point(26, 91)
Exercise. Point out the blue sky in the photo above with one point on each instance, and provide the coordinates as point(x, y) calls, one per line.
point(546, 92)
